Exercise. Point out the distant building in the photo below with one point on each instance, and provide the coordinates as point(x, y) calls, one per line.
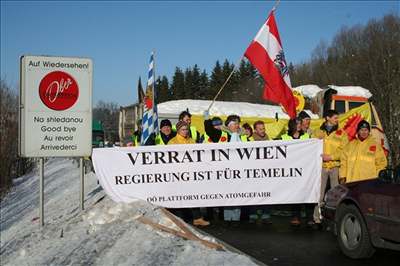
point(128, 115)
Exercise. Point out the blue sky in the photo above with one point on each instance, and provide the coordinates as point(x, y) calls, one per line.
point(119, 36)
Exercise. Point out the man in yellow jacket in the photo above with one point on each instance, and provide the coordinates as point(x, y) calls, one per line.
point(363, 157)
point(334, 141)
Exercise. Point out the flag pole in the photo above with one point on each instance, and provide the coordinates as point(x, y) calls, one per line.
point(154, 78)
point(226, 82)
point(235, 67)
point(154, 91)
point(276, 5)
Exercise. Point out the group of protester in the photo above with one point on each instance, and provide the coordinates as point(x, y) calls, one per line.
point(344, 161)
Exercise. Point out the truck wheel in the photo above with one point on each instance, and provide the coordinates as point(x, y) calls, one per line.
point(353, 236)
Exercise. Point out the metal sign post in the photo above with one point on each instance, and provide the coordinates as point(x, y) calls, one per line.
point(41, 191)
point(82, 175)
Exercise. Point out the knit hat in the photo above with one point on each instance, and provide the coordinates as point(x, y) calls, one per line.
point(363, 124)
point(303, 115)
point(181, 124)
point(232, 118)
point(216, 121)
point(165, 122)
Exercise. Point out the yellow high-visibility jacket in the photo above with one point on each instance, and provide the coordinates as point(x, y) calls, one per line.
point(333, 145)
point(178, 139)
point(362, 160)
point(288, 137)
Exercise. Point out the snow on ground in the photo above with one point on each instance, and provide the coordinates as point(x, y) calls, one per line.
point(351, 91)
point(221, 108)
point(106, 233)
point(308, 91)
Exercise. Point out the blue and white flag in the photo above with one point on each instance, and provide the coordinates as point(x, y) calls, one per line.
point(150, 117)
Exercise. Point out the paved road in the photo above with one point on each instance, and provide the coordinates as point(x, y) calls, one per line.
point(281, 244)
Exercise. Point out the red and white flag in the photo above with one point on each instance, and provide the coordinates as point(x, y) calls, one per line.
point(266, 55)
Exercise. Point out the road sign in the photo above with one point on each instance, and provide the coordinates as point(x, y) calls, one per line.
point(55, 106)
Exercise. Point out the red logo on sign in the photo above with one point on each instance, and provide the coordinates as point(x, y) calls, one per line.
point(58, 90)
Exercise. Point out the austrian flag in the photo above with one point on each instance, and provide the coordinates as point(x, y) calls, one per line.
point(266, 54)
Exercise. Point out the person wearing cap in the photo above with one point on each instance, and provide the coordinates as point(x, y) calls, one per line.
point(182, 137)
point(305, 119)
point(335, 140)
point(137, 135)
point(186, 117)
point(295, 132)
point(165, 135)
point(259, 133)
point(213, 130)
point(214, 134)
point(305, 122)
point(363, 158)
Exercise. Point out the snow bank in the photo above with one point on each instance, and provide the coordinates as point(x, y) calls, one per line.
point(308, 91)
point(352, 91)
point(106, 233)
point(311, 91)
point(221, 108)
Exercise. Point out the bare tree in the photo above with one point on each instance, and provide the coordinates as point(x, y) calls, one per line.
point(11, 165)
point(108, 114)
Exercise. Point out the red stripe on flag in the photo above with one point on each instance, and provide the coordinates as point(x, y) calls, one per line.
point(273, 28)
point(275, 89)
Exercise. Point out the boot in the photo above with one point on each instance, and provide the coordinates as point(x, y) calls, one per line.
point(200, 222)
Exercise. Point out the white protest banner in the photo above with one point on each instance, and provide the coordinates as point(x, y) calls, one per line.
point(202, 175)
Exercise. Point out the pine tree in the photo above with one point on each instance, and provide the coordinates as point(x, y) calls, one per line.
point(203, 88)
point(158, 98)
point(165, 88)
point(162, 88)
point(140, 92)
point(226, 94)
point(216, 81)
point(250, 84)
point(178, 85)
point(188, 93)
point(192, 82)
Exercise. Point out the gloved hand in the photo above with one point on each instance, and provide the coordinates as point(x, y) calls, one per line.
point(206, 115)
